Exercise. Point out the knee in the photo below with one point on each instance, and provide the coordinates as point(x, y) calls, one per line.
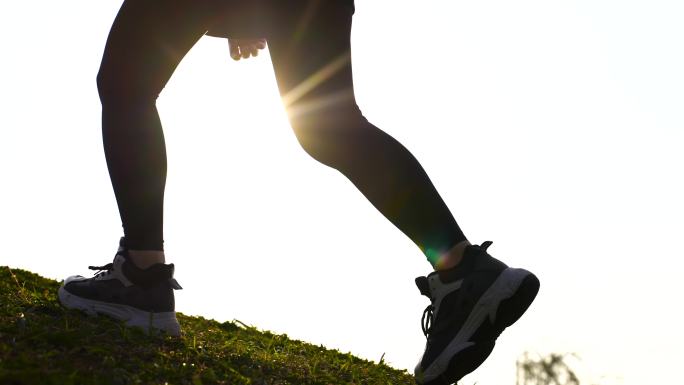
point(313, 142)
point(116, 88)
point(331, 137)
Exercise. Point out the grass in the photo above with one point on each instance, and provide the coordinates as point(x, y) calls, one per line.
point(43, 343)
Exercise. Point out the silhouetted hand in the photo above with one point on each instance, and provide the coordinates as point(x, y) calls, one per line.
point(244, 48)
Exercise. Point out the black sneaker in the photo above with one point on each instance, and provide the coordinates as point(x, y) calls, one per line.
point(471, 305)
point(142, 298)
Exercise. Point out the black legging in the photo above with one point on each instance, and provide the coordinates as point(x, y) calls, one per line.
point(310, 49)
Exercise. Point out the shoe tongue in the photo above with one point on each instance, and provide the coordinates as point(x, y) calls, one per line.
point(471, 255)
point(122, 244)
point(424, 286)
point(467, 265)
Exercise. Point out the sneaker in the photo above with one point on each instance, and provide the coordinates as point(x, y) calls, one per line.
point(142, 298)
point(471, 305)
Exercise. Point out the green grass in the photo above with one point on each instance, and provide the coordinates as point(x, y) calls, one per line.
point(43, 343)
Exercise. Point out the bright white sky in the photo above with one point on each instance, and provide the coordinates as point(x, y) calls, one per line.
point(553, 128)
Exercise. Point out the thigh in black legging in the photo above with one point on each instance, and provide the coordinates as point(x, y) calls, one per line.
point(145, 44)
point(312, 62)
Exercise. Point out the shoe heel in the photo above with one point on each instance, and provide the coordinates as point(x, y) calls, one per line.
point(511, 309)
point(151, 322)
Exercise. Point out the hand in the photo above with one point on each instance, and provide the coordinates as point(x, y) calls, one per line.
point(244, 48)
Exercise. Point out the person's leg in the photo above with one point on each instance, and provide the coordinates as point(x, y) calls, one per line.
point(474, 297)
point(312, 63)
point(146, 42)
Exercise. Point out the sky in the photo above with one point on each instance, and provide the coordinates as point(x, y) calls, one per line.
point(552, 128)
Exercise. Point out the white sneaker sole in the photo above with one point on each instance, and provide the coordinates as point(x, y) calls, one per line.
point(165, 321)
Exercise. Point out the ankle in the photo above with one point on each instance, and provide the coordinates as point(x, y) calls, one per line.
point(451, 258)
point(143, 259)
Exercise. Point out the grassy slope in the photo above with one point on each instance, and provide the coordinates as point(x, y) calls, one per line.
point(42, 343)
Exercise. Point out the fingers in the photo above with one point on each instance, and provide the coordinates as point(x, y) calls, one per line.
point(234, 49)
point(245, 51)
point(245, 48)
point(254, 50)
point(249, 50)
point(261, 43)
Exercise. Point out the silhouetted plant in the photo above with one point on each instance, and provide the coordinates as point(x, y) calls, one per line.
point(548, 370)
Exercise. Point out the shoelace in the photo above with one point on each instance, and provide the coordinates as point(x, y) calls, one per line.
point(427, 320)
point(102, 270)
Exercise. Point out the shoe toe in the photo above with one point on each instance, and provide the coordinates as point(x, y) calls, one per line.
point(74, 278)
point(418, 374)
